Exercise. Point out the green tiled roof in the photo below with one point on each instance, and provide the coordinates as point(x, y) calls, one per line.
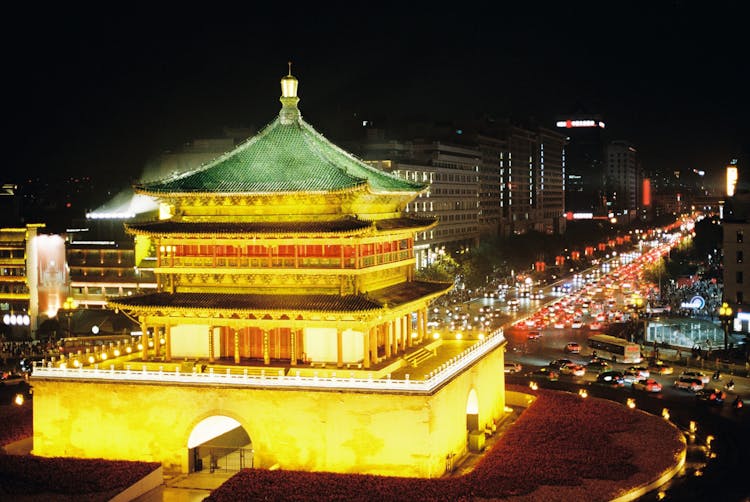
point(283, 157)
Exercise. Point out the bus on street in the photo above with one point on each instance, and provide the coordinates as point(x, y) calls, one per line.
point(615, 349)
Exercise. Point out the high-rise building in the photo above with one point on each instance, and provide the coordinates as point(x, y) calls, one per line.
point(531, 181)
point(584, 163)
point(451, 171)
point(486, 178)
point(33, 278)
point(623, 178)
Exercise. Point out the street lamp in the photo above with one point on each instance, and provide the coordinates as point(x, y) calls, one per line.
point(69, 305)
point(725, 314)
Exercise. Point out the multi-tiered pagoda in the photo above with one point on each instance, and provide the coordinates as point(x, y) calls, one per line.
point(286, 250)
point(282, 256)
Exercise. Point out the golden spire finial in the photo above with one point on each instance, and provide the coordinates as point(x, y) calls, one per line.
point(289, 112)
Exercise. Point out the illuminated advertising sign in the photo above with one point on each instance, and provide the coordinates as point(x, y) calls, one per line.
point(568, 124)
point(646, 192)
point(731, 180)
point(696, 303)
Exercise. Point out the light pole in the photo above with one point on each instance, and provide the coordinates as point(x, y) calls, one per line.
point(726, 316)
point(69, 305)
point(637, 303)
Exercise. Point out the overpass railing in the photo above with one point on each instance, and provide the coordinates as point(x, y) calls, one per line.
point(430, 383)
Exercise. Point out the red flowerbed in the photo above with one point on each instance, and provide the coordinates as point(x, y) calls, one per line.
point(89, 480)
point(17, 423)
point(560, 440)
point(83, 479)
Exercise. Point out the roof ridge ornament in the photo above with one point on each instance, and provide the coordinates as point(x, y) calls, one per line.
point(289, 113)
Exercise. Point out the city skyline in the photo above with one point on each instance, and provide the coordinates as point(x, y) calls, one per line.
point(98, 95)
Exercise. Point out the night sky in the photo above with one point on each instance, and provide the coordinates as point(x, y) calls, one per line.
point(99, 91)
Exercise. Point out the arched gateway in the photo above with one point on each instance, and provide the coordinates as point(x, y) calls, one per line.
point(219, 442)
point(286, 300)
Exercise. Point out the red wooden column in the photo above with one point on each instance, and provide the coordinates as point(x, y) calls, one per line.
point(236, 345)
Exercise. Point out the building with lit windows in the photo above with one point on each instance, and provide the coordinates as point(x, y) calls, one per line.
point(450, 171)
point(286, 318)
point(623, 178)
point(736, 256)
point(584, 163)
point(532, 181)
point(32, 278)
point(488, 179)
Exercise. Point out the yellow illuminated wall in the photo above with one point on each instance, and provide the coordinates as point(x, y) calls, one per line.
point(143, 248)
point(388, 434)
point(325, 346)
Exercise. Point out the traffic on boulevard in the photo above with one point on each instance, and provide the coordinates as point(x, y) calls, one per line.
point(586, 334)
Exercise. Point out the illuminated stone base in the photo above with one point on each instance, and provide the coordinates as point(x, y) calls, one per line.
point(398, 434)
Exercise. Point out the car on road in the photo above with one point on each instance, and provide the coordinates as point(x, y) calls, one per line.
point(646, 385)
point(534, 335)
point(573, 348)
point(546, 373)
point(559, 363)
point(691, 384)
point(512, 367)
point(598, 366)
point(711, 396)
point(638, 372)
point(696, 374)
point(573, 369)
point(612, 378)
point(660, 368)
